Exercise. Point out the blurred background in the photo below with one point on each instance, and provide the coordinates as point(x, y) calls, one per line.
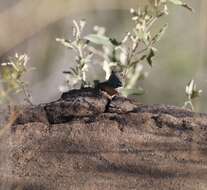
point(31, 27)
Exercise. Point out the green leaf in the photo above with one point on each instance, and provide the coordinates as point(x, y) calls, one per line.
point(159, 35)
point(138, 60)
point(98, 39)
point(181, 3)
point(187, 7)
point(150, 56)
point(115, 42)
point(191, 90)
point(176, 2)
point(67, 72)
point(65, 43)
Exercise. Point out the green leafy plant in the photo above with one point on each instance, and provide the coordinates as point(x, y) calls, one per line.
point(126, 57)
point(76, 76)
point(12, 73)
point(192, 93)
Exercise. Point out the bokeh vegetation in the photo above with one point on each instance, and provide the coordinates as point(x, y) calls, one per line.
point(181, 54)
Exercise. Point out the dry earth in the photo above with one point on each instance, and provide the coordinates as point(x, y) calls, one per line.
point(85, 142)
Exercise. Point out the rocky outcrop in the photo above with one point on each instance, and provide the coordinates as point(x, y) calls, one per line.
point(85, 141)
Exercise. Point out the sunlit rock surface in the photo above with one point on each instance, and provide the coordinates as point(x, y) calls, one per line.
point(83, 141)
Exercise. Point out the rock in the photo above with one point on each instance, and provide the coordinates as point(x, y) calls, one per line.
point(76, 103)
point(84, 141)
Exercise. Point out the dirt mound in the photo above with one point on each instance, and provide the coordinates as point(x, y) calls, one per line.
point(84, 141)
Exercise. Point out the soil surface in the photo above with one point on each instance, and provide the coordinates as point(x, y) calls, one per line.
point(83, 141)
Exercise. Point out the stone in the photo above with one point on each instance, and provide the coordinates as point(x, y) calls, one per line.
point(96, 143)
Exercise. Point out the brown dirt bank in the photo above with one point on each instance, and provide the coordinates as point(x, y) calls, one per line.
point(83, 141)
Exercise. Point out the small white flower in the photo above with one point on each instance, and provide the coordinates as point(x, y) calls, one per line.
point(63, 88)
point(132, 11)
point(123, 55)
point(135, 18)
point(126, 37)
point(4, 64)
point(85, 70)
point(65, 43)
point(76, 29)
point(189, 88)
point(82, 24)
point(107, 67)
point(100, 30)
